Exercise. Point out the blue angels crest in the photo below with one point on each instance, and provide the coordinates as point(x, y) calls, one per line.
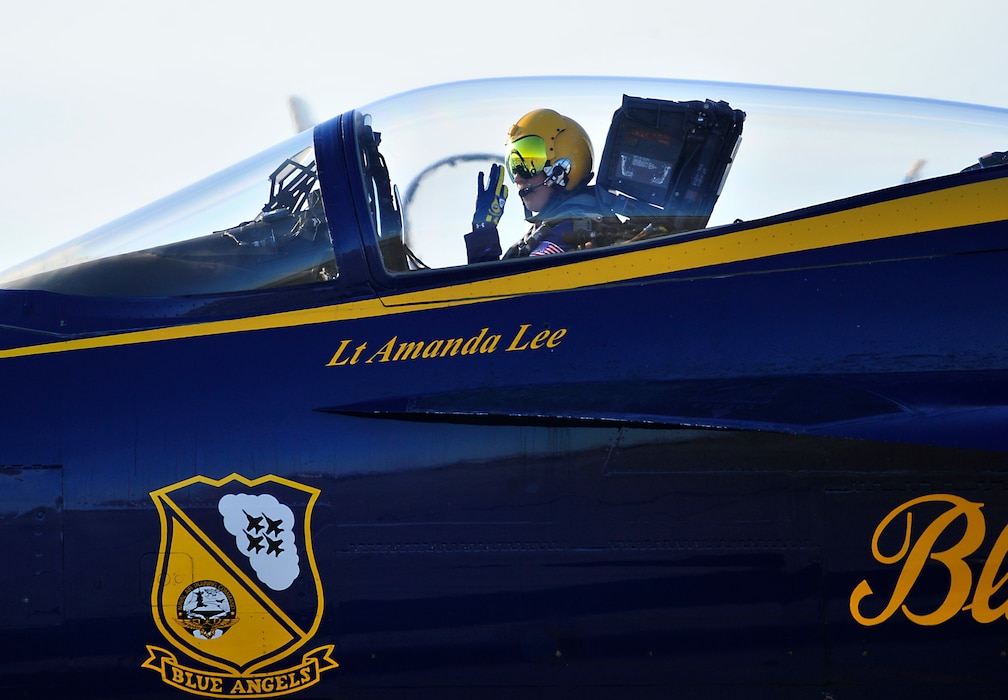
point(235, 569)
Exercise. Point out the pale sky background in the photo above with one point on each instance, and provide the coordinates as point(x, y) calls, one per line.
point(107, 105)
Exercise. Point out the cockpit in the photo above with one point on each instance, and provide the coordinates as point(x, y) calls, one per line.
point(285, 242)
point(385, 194)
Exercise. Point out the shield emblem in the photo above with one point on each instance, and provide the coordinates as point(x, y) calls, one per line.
point(237, 587)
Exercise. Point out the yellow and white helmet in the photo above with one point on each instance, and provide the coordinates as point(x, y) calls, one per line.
point(548, 142)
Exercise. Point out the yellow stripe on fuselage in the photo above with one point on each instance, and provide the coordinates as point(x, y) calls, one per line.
point(966, 205)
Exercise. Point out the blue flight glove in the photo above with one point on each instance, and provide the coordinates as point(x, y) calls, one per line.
point(483, 244)
point(490, 198)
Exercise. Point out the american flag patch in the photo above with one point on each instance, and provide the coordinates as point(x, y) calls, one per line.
point(547, 248)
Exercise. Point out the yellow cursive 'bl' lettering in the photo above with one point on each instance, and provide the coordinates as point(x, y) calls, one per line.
point(916, 554)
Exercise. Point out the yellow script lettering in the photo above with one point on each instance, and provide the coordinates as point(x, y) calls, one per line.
point(915, 554)
point(409, 351)
point(337, 362)
point(385, 351)
point(472, 346)
point(544, 338)
point(514, 343)
point(483, 343)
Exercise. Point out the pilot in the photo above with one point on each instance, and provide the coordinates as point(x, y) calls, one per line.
point(549, 158)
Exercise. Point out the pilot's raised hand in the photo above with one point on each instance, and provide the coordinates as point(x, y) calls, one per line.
point(490, 198)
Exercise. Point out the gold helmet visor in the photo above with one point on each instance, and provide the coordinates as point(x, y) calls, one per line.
point(526, 157)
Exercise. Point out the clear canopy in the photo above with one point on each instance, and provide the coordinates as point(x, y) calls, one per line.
point(798, 148)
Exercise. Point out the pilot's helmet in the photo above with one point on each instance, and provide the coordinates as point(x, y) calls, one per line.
point(545, 141)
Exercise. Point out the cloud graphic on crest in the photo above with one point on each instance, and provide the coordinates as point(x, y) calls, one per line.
point(263, 529)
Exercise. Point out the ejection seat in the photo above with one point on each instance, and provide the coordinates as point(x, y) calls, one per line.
point(665, 162)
